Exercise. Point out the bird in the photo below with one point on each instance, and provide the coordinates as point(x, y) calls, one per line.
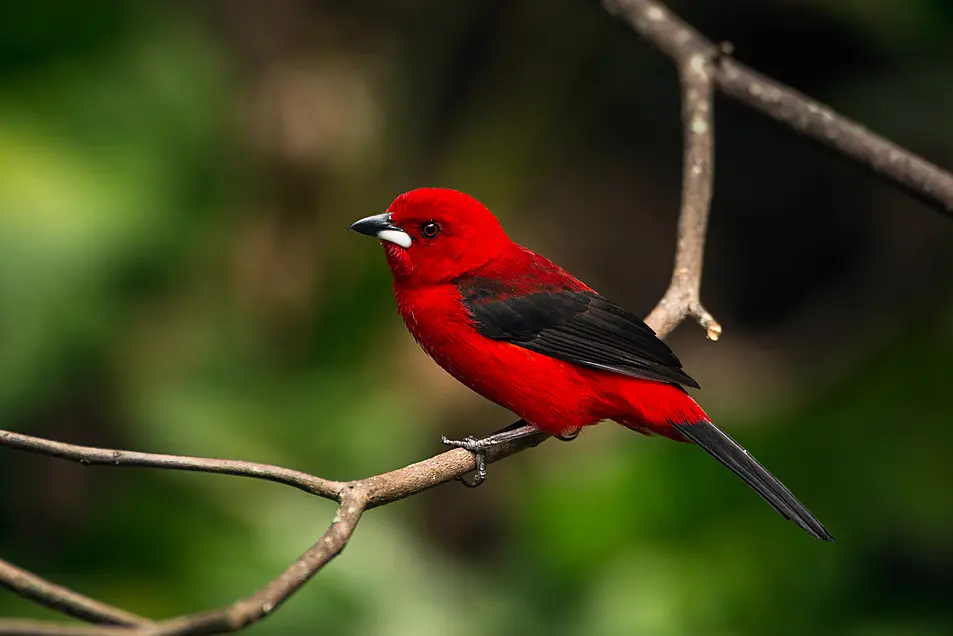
point(524, 333)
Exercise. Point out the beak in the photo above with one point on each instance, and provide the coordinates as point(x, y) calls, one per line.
point(380, 226)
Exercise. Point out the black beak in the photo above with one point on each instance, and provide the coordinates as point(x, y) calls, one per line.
point(380, 226)
point(374, 225)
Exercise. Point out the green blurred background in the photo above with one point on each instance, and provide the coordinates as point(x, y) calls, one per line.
point(176, 179)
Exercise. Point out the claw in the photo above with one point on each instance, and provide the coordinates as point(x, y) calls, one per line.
point(480, 476)
point(468, 443)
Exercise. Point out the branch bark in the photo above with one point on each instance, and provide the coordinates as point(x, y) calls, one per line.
point(683, 297)
point(90, 456)
point(702, 68)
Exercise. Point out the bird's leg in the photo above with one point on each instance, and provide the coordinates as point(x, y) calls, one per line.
point(480, 447)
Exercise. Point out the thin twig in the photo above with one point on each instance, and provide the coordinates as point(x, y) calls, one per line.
point(244, 612)
point(675, 38)
point(61, 599)
point(241, 613)
point(683, 297)
point(90, 456)
point(28, 627)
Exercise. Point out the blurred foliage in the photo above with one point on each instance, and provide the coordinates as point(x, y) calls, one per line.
point(175, 180)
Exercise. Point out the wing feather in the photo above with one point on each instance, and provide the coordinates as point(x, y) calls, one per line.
point(580, 327)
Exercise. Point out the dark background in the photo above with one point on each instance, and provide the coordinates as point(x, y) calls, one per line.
point(176, 180)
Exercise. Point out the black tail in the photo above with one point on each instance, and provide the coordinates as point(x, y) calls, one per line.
point(728, 452)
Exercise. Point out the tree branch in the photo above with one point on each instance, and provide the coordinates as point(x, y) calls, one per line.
point(682, 299)
point(90, 456)
point(678, 40)
point(61, 599)
point(702, 67)
point(354, 497)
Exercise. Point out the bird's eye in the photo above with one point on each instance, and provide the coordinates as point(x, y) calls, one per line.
point(429, 229)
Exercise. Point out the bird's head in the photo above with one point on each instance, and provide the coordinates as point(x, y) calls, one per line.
point(434, 235)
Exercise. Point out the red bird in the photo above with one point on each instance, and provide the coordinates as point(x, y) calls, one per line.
point(524, 333)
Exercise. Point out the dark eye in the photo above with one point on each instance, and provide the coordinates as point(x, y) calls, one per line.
point(429, 229)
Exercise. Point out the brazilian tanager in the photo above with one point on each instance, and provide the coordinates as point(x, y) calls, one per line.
point(524, 333)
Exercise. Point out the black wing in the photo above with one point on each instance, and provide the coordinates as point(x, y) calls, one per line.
point(574, 326)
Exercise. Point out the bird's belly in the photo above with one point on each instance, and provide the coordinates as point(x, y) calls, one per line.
point(552, 395)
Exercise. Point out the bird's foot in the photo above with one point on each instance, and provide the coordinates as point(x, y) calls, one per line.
point(480, 447)
point(477, 448)
point(568, 436)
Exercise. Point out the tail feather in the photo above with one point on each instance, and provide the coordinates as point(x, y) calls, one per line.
point(727, 451)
